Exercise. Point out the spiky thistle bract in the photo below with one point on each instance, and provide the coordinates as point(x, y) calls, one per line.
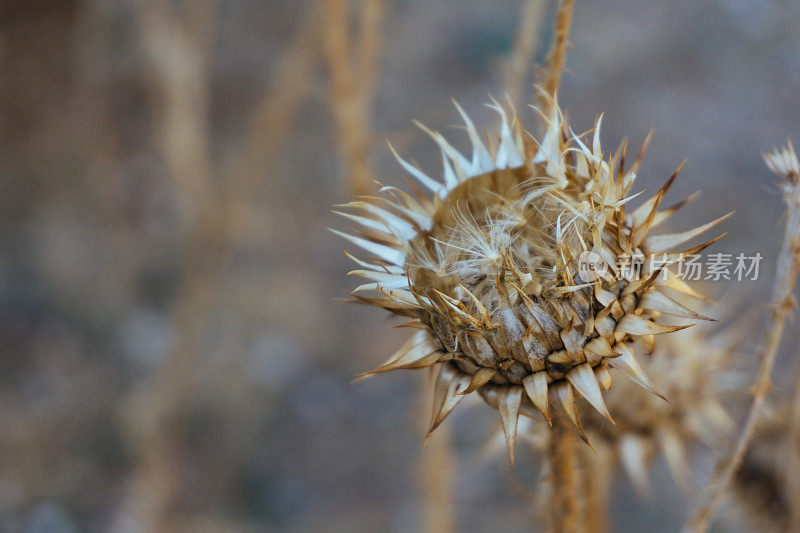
point(487, 267)
point(697, 370)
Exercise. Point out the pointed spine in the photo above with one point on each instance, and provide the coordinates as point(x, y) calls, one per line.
point(582, 379)
point(536, 389)
point(509, 401)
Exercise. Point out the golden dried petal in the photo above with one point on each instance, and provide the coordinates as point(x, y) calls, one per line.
point(565, 400)
point(657, 301)
point(582, 378)
point(479, 379)
point(445, 394)
point(536, 389)
point(629, 365)
point(419, 351)
point(663, 243)
point(636, 325)
point(509, 400)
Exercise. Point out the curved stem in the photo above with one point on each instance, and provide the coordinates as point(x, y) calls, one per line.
point(782, 304)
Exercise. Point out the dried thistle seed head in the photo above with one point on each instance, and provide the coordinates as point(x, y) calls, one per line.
point(784, 163)
point(761, 488)
point(696, 370)
point(524, 272)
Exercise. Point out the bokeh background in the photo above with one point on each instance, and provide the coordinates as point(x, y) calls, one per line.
point(174, 353)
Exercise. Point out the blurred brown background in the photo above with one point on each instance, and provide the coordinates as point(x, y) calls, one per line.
point(173, 353)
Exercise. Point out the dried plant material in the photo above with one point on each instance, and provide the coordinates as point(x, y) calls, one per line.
point(792, 450)
point(176, 42)
point(694, 370)
point(759, 487)
point(175, 38)
point(783, 162)
point(697, 371)
point(291, 83)
point(354, 69)
point(489, 268)
point(564, 483)
point(177, 49)
point(597, 469)
point(436, 475)
point(558, 52)
point(521, 60)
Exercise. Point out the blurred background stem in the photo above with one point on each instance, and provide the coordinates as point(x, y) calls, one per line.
point(436, 472)
point(177, 41)
point(782, 304)
point(354, 63)
point(597, 473)
point(521, 61)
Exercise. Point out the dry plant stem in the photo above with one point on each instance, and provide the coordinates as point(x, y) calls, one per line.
point(597, 474)
point(177, 47)
point(93, 38)
point(437, 480)
point(177, 50)
point(353, 78)
point(558, 52)
point(519, 64)
point(156, 490)
point(436, 474)
point(268, 132)
point(793, 445)
point(782, 304)
point(793, 453)
point(564, 504)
